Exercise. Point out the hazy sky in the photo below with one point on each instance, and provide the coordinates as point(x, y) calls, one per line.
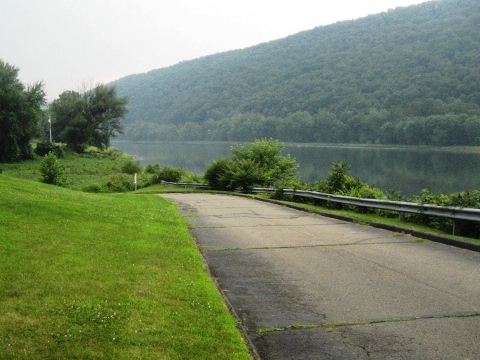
point(66, 43)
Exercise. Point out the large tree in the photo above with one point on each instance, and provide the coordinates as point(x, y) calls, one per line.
point(91, 118)
point(20, 111)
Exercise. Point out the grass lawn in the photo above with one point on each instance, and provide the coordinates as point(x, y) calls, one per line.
point(104, 276)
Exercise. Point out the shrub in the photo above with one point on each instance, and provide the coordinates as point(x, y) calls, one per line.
point(218, 174)
point(112, 153)
point(170, 174)
point(246, 174)
point(45, 147)
point(252, 164)
point(265, 159)
point(152, 169)
point(130, 166)
point(193, 178)
point(143, 180)
point(94, 188)
point(52, 172)
point(119, 183)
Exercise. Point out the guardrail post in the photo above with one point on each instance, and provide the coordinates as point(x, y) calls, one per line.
point(401, 216)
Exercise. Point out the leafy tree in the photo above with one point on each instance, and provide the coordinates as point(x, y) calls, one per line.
point(69, 125)
point(91, 118)
point(20, 111)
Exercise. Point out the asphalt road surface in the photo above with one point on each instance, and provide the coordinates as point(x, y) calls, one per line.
point(311, 287)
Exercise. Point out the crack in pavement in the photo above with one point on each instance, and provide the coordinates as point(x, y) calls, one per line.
point(413, 318)
point(312, 246)
point(332, 326)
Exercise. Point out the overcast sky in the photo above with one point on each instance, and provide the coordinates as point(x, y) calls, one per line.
point(67, 43)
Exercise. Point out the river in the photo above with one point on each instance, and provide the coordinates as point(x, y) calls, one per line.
point(406, 169)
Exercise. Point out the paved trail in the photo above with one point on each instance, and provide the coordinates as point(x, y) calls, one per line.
point(311, 287)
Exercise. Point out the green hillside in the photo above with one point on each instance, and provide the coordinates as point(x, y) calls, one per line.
point(410, 75)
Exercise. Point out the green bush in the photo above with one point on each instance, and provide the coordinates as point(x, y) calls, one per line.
point(119, 183)
point(112, 153)
point(144, 180)
point(109, 153)
point(129, 166)
point(218, 174)
point(45, 147)
point(152, 169)
point(52, 171)
point(264, 157)
point(94, 188)
point(171, 174)
point(193, 178)
point(252, 164)
point(246, 174)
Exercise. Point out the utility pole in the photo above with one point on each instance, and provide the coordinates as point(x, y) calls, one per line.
point(50, 124)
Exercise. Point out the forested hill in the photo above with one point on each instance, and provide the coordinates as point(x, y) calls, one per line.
point(409, 76)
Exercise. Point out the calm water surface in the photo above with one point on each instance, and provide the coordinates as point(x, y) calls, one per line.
point(409, 170)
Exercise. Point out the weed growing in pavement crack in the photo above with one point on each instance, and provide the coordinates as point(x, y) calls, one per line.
point(291, 327)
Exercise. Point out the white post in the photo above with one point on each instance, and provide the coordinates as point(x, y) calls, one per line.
point(135, 181)
point(50, 124)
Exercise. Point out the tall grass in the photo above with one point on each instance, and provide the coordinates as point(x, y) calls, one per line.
point(89, 276)
point(80, 170)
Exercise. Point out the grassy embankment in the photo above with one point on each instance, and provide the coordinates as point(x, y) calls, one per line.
point(102, 276)
point(81, 170)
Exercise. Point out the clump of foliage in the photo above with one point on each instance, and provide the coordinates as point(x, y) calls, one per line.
point(170, 174)
point(158, 174)
point(217, 175)
point(20, 112)
point(152, 168)
point(131, 166)
point(104, 153)
point(52, 171)
point(45, 147)
point(338, 182)
point(119, 183)
point(252, 164)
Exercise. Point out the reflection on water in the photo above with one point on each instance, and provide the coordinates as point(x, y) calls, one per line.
point(408, 170)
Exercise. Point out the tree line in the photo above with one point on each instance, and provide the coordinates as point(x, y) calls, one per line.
point(374, 127)
point(77, 119)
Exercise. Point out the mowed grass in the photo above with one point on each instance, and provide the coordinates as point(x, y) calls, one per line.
point(87, 276)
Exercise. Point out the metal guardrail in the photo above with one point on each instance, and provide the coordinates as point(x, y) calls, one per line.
point(453, 213)
point(186, 185)
point(402, 207)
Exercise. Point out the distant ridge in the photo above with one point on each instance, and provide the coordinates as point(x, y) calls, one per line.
point(408, 76)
